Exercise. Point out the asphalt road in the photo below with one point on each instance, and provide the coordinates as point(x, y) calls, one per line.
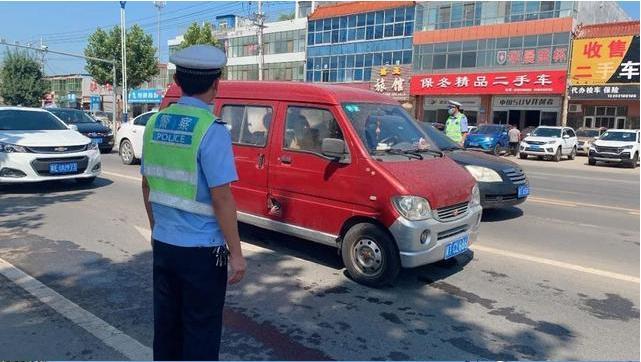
point(556, 278)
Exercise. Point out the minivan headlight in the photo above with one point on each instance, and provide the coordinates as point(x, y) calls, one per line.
point(483, 174)
point(476, 196)
point(627, 147)
point(10, 148)
point(413, 208)
point(92, 146)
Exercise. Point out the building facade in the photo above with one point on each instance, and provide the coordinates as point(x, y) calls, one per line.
point(505, 61)
point(604, 76)
point(366, 43)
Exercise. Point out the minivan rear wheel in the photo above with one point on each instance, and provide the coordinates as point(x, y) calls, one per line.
point(370, 255)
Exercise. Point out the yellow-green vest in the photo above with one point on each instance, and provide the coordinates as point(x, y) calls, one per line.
point(453, 127)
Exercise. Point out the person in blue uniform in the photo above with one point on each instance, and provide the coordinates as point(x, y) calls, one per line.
point(187, 168)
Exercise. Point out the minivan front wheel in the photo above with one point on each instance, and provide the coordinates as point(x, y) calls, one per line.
point(370, 255)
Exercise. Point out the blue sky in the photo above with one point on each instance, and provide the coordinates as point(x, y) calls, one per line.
point(66, 25)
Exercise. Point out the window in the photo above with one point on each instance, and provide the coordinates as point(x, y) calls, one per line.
point(142, 120)
point(453, 61)
point(469, 60)
point(439, 61)
point(306, 128)
point(249, 124)
point(571, 132)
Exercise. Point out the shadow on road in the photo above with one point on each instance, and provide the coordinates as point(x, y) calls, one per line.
point(51, 186)
point(496, 215)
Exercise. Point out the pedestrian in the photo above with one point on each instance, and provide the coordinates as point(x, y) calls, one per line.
point(187, 168)
point(514, 136)
point(456, 124)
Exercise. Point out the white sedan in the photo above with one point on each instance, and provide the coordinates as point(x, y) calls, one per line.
point(130, 138)
point(37, 146)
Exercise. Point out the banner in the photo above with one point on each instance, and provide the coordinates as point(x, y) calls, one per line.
point(599, 61)
point(523, 83)
point(619, 91)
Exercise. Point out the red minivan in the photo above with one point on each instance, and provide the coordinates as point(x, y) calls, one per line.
point(348, 168)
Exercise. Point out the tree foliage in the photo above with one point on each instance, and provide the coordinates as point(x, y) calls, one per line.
point(286, 16)
point(141, 59)
point(197, 35)
point(21, 80)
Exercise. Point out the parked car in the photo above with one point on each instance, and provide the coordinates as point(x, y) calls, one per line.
point(439, 126)
point(36, 146)
point(550, 142)
point(488, 138)
point(130, 138)
point(89, 127)
point(585, 137)
point(502, 183)
point(616, 146)
point(471, 129)
point(347, 168)
point(526, 132)
point(103, 117)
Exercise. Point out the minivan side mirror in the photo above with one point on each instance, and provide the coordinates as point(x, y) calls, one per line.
point(73, 127)
point(335, 148)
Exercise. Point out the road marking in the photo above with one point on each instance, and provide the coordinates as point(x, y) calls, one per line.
point(556, 263)
point(542, 200)
point(102, 330)
point(132, 178)
point(561, 175)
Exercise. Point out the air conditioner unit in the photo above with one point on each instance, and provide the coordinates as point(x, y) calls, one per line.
point(574, 108)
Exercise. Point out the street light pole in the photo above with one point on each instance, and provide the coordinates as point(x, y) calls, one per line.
point(123, 46)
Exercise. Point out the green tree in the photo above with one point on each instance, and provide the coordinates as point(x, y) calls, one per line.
point(197, 34)
point(286, 16)
point(141, 59)
point(21, 80)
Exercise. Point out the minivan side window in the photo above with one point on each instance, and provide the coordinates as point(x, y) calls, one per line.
point(142, 120)
point(249, 124)
point(571, 132)
point(306, 128)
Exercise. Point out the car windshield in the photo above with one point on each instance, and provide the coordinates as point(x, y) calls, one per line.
point(619, 136)
point(587, 133)
point(488, 128)
point(382, 127)
point(17, 120)
point(547, 132)
point(440, 139)
point(72, 116)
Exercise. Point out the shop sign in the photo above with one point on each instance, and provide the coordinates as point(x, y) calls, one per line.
point(532, 56)
point(619, 91)
point(467, 103)
point(530, 82)
point(94, 103)
point(526, 102)
point(600, 61)
point(391, 80)
point(145, 96)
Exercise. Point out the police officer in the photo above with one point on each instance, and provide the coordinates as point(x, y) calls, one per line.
point(456, 124)
point(187, 167)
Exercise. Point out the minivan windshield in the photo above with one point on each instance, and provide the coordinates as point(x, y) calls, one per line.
point(72, 116)
point(587, 133)
point(386, 127)
point(488, 129)
point(619, 136)
point(443, 142)
point(547, 132)
point(17, 120)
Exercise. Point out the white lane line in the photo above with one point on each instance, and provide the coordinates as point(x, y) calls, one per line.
point(556, 263)
point(561, 175)
point(567, 203)
point(132, 178)
point(102, 330)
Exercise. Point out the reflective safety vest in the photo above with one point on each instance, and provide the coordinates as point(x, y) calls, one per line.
point(453, 127)
point(170, 150)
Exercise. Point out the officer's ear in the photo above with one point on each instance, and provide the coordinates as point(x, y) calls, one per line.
point(176, 79)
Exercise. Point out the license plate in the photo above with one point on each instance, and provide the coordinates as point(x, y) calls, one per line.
point(62, 168)
point(523, 191)
point(536, 148)
point(96, 140)
point(456, 247)
point(473, 144)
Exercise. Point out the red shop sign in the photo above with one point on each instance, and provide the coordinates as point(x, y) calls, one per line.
point(530, 82)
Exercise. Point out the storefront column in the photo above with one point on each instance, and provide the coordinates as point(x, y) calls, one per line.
point(485, 116)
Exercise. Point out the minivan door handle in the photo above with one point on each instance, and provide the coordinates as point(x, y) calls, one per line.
point(261, 161)
point(286, 159)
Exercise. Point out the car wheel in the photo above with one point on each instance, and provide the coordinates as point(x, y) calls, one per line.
point(633, 162)
point(85, 181)
point(591, 161)
point(557, 155)
point(572, 155)
point(523, 156)
point(496, 150)
point(126, 151)
point(370, 255)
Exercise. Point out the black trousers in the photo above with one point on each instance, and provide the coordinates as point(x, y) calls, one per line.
point(514, 148)
point(189, 295)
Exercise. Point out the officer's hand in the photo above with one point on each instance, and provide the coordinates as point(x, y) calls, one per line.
point(238, 267)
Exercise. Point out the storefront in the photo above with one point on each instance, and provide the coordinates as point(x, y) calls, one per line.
point(528, 98)
point(144, 100)
point(604, 77)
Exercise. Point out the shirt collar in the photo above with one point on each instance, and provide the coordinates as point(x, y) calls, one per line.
point(193, 102)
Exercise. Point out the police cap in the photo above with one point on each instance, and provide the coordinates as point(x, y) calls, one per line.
point(199, 60)
point(452, 103)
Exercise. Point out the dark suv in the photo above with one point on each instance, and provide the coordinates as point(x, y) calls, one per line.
point(88, 126)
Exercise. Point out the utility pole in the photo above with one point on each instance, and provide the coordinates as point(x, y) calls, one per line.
point(113, 63)
point(42, 58)
point(123, 45)
point(159, 5)
point(259, 22)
